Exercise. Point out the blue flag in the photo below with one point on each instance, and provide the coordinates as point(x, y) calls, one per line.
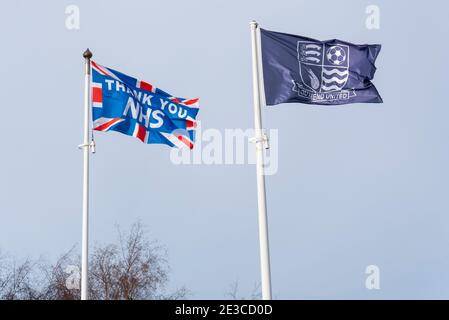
point(137, 108)
point(305, 70)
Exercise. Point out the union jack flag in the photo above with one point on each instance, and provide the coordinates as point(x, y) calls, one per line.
point(137, 108)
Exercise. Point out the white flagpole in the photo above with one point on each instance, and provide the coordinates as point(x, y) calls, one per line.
point(86, 149)
point(260, 140)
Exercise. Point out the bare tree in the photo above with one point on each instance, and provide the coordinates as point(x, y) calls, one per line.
point(17, 280)
point(233, 292)
point(55, 285)
point(133, 268)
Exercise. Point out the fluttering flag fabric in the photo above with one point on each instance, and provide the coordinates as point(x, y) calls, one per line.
point(137, 108)
point(305, 70)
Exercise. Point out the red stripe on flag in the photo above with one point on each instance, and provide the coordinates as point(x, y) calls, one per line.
point(146, 86)
point(98, 68)
point(108, 124)
point(191, 101)
point(185, 141)
point(190, 124)
point(141, 133)
point(97, 95)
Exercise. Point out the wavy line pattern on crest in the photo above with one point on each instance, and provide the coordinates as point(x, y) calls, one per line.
point(312, 52)
point(313, 59)
point(335, 71)
point(334, 79)
point(313, 46)
point(328, 88)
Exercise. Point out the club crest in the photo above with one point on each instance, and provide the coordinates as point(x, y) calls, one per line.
point(323, 68)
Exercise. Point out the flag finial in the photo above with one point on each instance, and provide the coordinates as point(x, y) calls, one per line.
point(87, 54)
point(254, 22)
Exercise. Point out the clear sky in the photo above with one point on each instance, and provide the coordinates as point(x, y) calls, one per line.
point(357, 185)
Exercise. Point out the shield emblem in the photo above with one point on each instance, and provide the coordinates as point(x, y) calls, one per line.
point(323, 67)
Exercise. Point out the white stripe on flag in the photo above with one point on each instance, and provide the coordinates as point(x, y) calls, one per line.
point(136, 130)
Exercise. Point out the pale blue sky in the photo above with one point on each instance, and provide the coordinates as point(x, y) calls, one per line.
point(357, 184)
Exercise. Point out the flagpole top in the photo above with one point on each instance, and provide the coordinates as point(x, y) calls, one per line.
point(253, 23)
point(87, 54)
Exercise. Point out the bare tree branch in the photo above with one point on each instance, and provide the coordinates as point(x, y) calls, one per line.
point(133, 268)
